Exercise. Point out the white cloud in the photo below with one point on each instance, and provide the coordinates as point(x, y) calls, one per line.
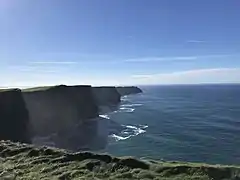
point(195, 41)
point(147, 59)
point(142, 76)
point(177, 58)
point(54, 62)
point(196, 76)
point(34, 69)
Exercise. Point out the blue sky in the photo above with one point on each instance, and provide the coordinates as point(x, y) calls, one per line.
point(115, 42)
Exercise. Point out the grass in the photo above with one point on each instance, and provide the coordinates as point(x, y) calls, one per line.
point(40, 88)
point(6, 90)
point(45, 88)
point(21, 161)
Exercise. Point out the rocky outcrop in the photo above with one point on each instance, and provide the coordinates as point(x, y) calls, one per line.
point(14, 119)
point(60, 112)
point(106, 95)
point(127, 90)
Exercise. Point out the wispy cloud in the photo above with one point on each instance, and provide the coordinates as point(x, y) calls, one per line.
point(23, 68)
point(142, 76)
point(213, 75)
point(147, 59)
point(177, 58)
point(54, 62)
point(39, 68)
point(196, 41)
point(43, 67)
point(190, 72)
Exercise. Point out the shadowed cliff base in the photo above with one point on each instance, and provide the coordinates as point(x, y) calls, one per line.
point(14, 117)
point(21, 161)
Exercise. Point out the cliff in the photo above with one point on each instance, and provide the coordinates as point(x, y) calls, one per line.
point(127, 90)
point(14, 120)
point(21, 161)
point(59, 114)
point(67, 116)
point(106, 95)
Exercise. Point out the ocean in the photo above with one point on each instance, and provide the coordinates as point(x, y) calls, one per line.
point(195, 123)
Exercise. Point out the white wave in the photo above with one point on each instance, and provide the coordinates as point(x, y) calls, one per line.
point(129, 108)
point(131, 127)
point(124, 97)
point(128, 132)
point(131, 105)
point(104, 116)
point(140, 131)
point(124, 109)
point(143, 126)
point(119, 138)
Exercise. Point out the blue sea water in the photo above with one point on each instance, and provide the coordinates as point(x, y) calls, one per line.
point(196, 123)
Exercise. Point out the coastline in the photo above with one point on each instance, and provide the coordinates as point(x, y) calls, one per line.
point(25, 161)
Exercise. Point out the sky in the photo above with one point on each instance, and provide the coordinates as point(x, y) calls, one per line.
point(119, 42)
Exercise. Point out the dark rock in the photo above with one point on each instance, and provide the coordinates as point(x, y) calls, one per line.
point(14, 117)
point(106, 95)
point(127, 90)
point(53, 109)
point(61, 114)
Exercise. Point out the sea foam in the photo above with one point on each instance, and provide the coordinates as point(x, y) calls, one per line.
point(126, 109)
point(128, 132)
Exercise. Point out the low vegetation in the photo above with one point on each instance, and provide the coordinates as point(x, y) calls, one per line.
point(40, 88)
point(21, 161)
point(6, 90)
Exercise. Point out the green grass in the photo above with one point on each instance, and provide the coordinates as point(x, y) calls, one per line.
point(40, 88)
point(6, 90)
point(32, 89)
point(21, 161)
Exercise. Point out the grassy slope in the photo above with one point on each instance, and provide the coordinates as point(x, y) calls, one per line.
point(41, 88)
point(20, 161)
point(6, 90)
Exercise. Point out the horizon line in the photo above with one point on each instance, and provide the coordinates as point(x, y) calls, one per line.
point(163, 84)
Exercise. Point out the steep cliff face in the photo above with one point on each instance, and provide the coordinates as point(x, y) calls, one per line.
point(59, 110)
point(61, 116)
point(127, 90)
point(14, 119)
point(105, 96)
